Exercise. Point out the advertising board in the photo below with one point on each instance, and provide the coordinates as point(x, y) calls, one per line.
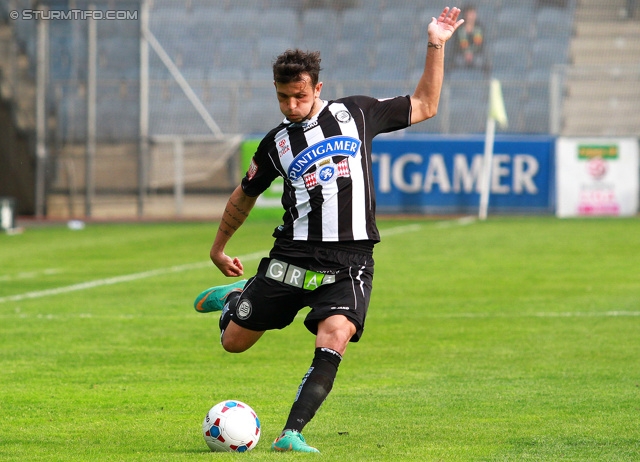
point(441, 174)
point(597, 176)
point(438, 174)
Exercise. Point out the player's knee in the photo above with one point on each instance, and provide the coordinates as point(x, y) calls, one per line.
point(236, 339)
point(232, 345)
point(335, 332)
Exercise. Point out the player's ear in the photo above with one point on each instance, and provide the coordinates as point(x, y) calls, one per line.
point(318, 88)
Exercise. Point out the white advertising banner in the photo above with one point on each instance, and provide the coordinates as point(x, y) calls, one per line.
point(597, 177)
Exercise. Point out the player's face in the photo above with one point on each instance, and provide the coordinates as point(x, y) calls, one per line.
point(297, 99)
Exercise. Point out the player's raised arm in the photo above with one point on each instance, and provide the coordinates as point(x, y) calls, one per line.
point(425, 99)
point(235, 213)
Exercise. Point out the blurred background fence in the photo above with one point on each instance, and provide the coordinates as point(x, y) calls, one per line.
point(149, 99)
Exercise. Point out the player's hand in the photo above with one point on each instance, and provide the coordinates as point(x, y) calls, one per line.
point(231, 267)
point(441, 29)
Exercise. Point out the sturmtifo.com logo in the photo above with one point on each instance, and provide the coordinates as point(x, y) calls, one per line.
point(54, 15)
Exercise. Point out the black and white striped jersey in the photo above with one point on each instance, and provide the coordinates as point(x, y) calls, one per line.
point(328, 193)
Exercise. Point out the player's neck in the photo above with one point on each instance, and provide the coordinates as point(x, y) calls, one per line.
point(317, 106)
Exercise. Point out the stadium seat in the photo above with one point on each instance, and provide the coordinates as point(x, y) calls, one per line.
point(459, 73)
point(398, 23)
point(176, 116)
point(239, 23)
point(234, 52)
point(387, 74)
point(514, 22)
point(208, 23)
point(275, 4)
point(199, 53)
point(167, 16)
point(536, 117)
point(118, 58)
point(466, 116)
point(117, 120)
point(359, 23)
point(510, 58)
point(315, 23)
point(547, 52)
point(269, 48)
point(354, 58)
point(554, 23)
point(259, 116)
point(394, 54)
point(469, 92)
point(282, 24)
point(538, 90)
point(260, 76)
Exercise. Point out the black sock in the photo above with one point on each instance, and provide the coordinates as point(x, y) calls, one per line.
point(228, 310)
point(315, 387)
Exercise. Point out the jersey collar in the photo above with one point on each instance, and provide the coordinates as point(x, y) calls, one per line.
point(306, 122)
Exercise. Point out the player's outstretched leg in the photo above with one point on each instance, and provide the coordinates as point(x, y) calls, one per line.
point(214, 298)
point(291, 440)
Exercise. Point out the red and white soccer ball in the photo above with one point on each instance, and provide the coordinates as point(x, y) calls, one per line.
point(231, 426)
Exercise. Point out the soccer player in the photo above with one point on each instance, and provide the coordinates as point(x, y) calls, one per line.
point(322, 256)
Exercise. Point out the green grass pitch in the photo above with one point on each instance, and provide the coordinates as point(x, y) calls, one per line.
point(513, 339)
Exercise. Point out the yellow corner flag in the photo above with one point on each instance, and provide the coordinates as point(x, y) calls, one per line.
point(496, 104)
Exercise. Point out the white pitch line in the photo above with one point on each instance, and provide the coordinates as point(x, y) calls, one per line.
point(400, 230)
point(542, 314)
point(117, 279)
point(159, 272)
point(102, 282)
point(463, 221)
point(29, 274)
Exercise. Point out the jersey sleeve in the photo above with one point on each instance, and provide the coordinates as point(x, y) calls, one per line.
point(386, 115)
point(261, 172)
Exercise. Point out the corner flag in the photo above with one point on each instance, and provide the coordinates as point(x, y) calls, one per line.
point(496, 113)
point(496, 104)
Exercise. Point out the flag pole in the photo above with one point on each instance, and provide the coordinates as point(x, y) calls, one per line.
point(496, 113)
point(485, 186)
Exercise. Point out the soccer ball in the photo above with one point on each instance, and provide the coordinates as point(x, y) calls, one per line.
point(231, 426)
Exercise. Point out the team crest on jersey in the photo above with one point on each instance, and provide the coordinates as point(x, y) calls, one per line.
point(327, 172)
point(343, 116)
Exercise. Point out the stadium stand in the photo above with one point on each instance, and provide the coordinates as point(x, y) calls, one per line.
point(377, 44)
point(371, 45)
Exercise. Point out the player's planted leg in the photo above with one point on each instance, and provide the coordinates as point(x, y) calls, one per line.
point(313, 390)
point(291, 440)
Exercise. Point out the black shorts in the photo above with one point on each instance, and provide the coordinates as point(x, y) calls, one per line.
point(329, 281)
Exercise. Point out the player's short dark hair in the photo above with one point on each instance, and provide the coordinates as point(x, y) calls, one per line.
point(292, 64)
